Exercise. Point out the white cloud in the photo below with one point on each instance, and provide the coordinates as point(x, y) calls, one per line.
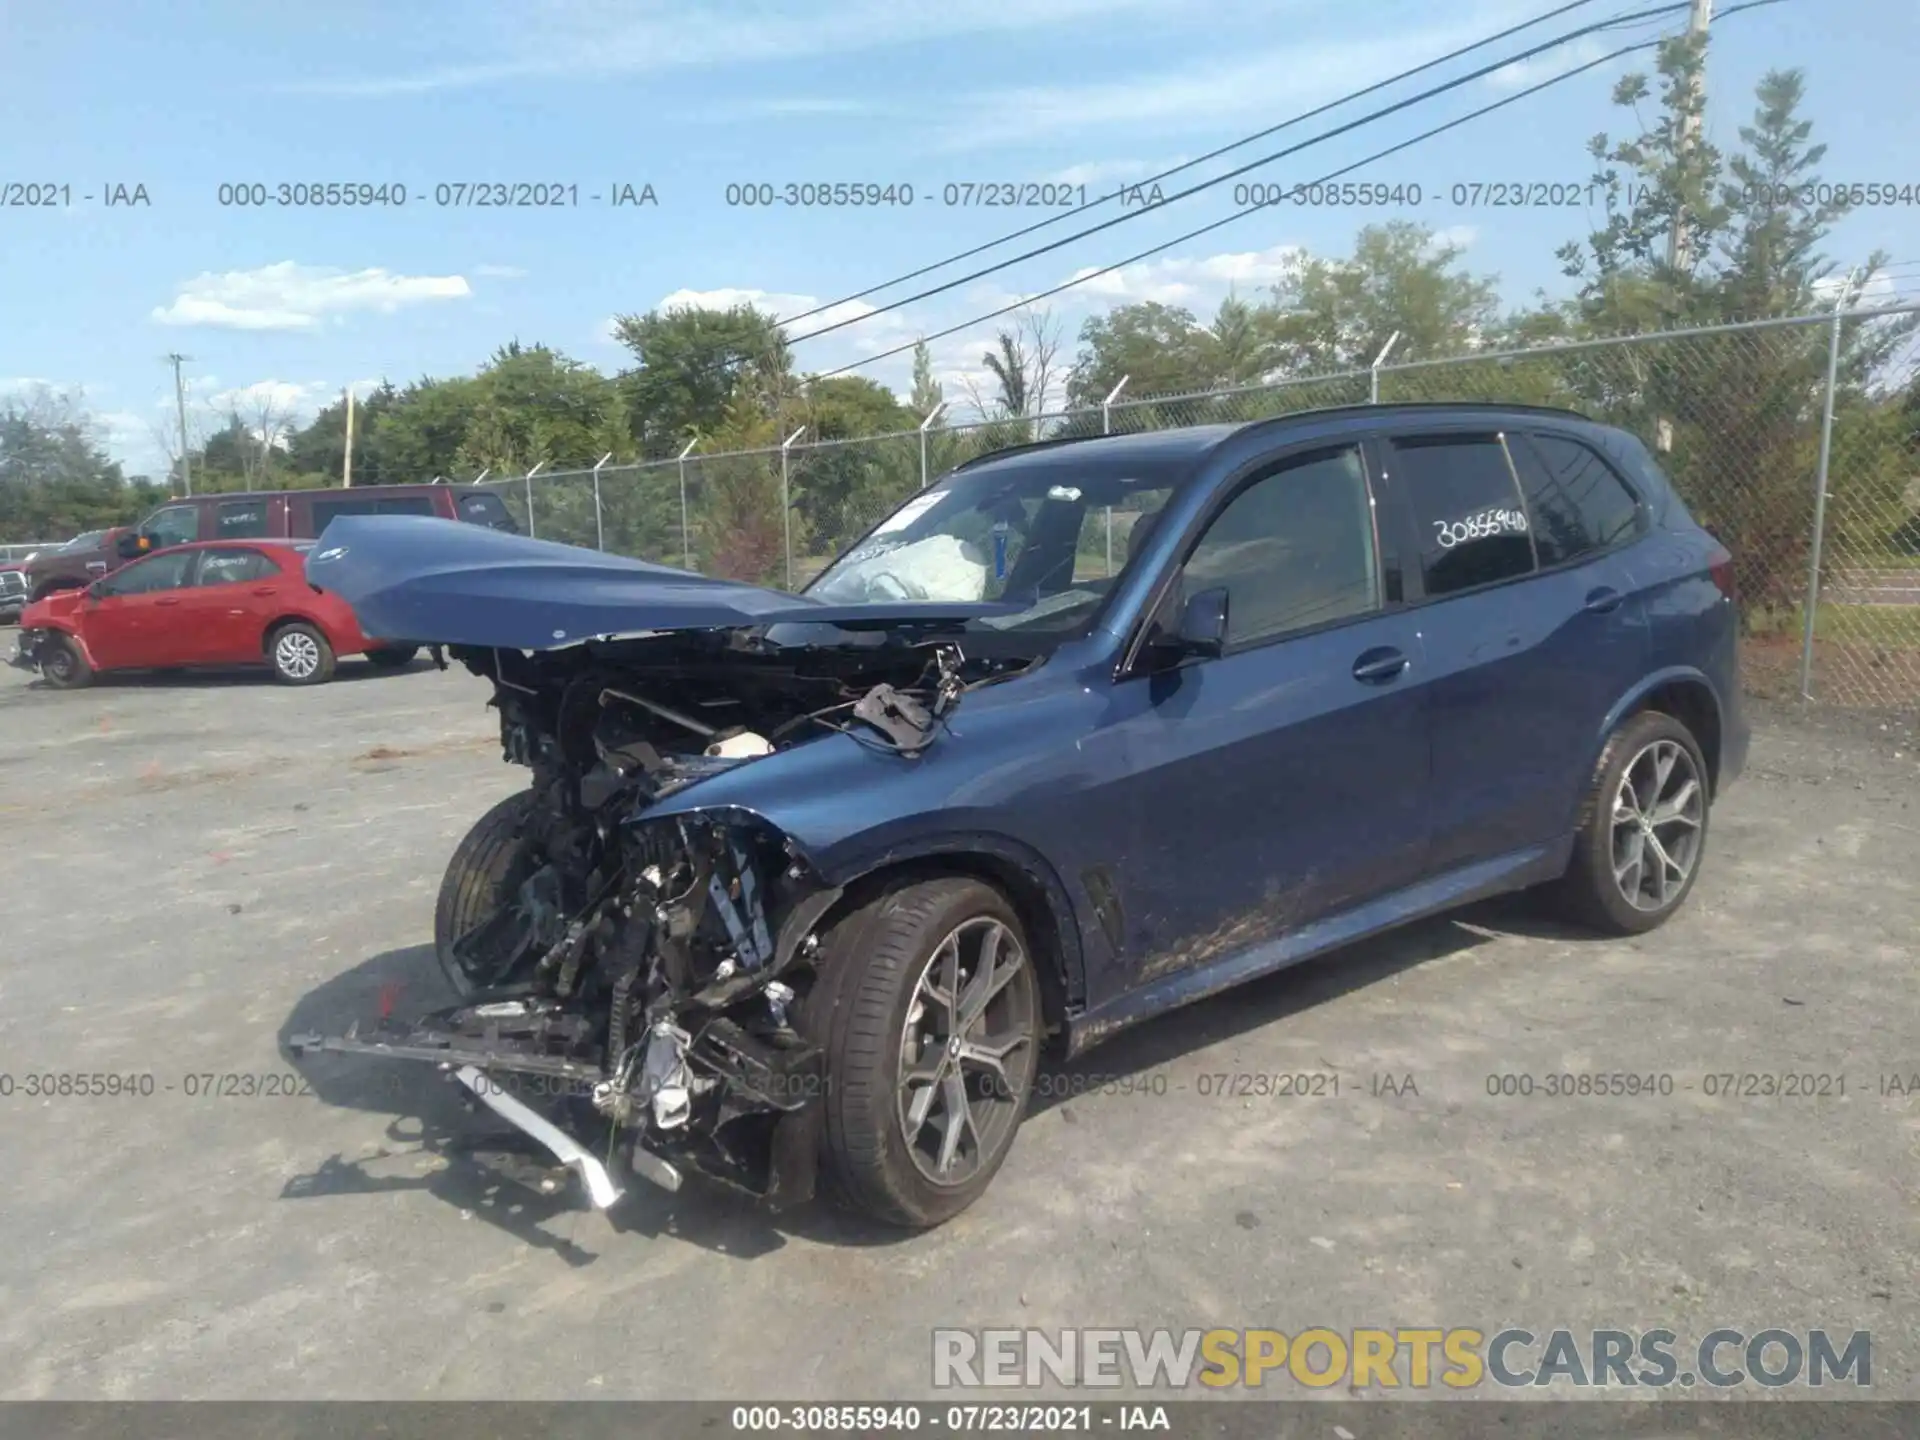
point(1179, 280)
point(1460, 237)
point(1878, 290)
point(291, 296)
point(286, 397)
point(586, 38)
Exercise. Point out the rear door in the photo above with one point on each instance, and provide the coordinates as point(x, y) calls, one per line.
point(224, 611)
point(129, 620)
point(1528, 640)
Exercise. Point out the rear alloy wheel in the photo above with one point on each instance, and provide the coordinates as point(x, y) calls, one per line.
point(393, 657)
point(1643, 830)
point(929, 1007)
point(300, 655)
point(63, 666)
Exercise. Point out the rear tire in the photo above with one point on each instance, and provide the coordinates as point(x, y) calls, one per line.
point(1643, 830)
point(64, 667)
point(393, 657)
point(300, 654)
point(901, 1097)
point(486, 868)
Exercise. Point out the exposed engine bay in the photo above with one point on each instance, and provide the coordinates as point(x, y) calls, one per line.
point(641, 978)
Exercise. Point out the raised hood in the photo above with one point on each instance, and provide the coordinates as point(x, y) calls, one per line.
point(441, 582)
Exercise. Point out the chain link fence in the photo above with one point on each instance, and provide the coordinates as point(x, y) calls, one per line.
point(1792, 440)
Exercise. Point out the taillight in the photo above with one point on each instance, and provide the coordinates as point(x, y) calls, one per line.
point(1720, 566)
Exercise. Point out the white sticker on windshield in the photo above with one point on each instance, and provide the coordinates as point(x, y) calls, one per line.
point(1063, 492)
point(910, 512)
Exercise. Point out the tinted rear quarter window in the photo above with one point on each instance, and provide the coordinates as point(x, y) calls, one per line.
point(1472, 525)
point(325, 512)
point(230, 567)
point(1578, 505)
point(486, 509)
point(240, 520)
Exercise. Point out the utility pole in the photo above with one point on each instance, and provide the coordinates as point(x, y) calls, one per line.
point(1679, 243)
point(180, 401)
point(346, 464)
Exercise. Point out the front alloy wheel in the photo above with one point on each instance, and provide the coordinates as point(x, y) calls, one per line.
point(967, 1022)
point(927, 1002)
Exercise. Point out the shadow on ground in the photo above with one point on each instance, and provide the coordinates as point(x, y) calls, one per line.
point(485, 1168)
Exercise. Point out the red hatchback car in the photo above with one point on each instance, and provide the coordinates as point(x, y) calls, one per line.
point(219, 602)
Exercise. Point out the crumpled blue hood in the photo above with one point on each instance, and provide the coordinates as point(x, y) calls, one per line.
point(444, 582)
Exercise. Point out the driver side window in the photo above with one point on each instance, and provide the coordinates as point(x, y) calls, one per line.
point(175, 525)
point(1294, 549)
point(166, 571)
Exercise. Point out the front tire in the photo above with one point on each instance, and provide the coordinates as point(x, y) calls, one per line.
point(487, 867)
point(392, 657)
point(300, 654)
point(928, 1006)
point(63, 666)
point(1643, 829)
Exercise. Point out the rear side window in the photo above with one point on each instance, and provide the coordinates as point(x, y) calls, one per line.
point(325, 512)
point(230, 567)
point(1578, 505)
point(240, 520)
point(486, 509)
point(1473, 525)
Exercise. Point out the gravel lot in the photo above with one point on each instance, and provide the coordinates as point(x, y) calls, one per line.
point(202, 866)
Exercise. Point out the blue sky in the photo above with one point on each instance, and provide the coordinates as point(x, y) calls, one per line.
point(690, 95)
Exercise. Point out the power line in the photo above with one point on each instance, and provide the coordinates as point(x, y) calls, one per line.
point(1131, 215)
point(1214, 154)
point(1254, 209)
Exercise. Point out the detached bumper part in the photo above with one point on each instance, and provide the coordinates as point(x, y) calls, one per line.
point(600, 1187)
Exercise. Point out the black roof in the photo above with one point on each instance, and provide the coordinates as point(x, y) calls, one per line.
point(1151, 449)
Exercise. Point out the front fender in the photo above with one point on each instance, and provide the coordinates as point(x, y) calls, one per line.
point(852, 811)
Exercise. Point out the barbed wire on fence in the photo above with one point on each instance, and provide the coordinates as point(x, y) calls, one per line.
point(1791, 438)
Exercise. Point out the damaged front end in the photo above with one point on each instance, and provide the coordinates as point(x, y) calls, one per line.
point(632, 984)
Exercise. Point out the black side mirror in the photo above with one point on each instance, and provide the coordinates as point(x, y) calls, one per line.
point(1200, 635)
point(1203, 624)
point(132, 546)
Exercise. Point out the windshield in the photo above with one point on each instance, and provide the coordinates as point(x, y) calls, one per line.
point(1055, 536)
point(85, 542)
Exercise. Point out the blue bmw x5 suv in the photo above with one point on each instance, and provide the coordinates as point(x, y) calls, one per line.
point(1081, 732)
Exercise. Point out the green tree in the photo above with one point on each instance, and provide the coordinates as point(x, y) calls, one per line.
point(1158, 349)
point(1739, 411)
point(56, 478)
point(1337, 314)
point(691, 365)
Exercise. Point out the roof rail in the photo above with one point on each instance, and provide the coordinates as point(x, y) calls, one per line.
point(1030, 445)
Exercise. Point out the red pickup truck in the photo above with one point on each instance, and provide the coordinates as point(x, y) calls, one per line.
point(253, 515)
